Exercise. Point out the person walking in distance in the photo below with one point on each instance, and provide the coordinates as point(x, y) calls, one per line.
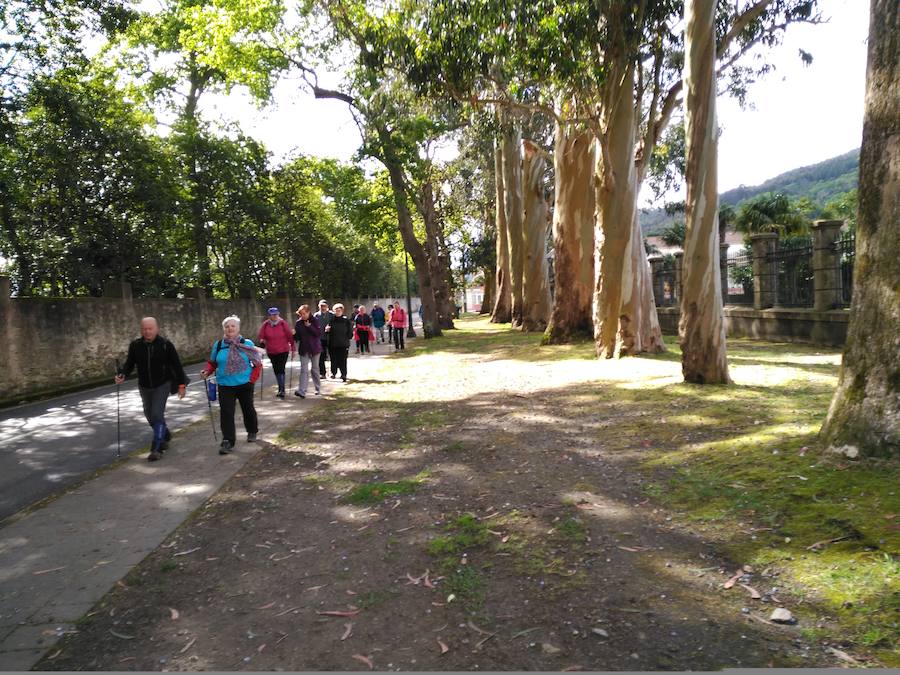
point(398, 319)
point(363, 323)
point(378, 319)
point(340, 332)
point(353, 321)
point(159, 374)
point(387, 318)
point(324, 317)
point(278, 339)
point(237, 364)
point(309, 348)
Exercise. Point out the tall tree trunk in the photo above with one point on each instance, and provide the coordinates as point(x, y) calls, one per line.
point(488, 298)
point(701, 328)
point(438, 261)
point(24, 264)
point(431, 327)
point(647, 335)
point(536, 275)
point(515, 214)
point(502, 310)
point(573, 236)
point(198, 221)
point(616, 205)
point(865, 411)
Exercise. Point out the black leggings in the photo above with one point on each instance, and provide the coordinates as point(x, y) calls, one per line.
point(244, 394)
point(363, 343)
point(278, 362)
point(339, 361)
point(399, 338)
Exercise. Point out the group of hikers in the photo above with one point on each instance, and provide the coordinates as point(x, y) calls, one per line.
point(237, 362)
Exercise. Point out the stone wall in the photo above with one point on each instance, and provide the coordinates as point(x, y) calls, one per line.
point(826, 328)
point(51, 345)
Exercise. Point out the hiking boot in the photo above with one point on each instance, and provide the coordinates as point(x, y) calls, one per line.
point(333, 377)
point(297, 393)
point(154, 456)
point(343, 379)
point(251, 437)
point(226, 447)
point(318, 393)
point(280, 394)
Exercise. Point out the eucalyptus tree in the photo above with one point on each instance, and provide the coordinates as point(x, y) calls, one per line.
point(610, 67)
point(864, 416)
point(701, 327)
point(535, 227)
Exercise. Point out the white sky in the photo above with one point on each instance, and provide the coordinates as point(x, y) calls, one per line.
point(800, 114)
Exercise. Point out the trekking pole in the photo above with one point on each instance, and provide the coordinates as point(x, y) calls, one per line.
point(291, 372)
point(118, 419)
point(210, 397)
point(262, 375)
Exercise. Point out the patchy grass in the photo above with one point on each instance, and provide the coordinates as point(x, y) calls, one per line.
point(466, 533)
point(467, 584)
point(377, 491)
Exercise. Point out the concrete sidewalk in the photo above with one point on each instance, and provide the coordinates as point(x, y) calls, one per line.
point(59, 560)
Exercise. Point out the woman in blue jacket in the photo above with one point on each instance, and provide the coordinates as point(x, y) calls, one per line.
point(234, 358)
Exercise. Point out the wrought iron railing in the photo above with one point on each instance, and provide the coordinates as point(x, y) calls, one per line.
point(845, 249)
point(794, 273)
point(665, 289)
point(740, 278)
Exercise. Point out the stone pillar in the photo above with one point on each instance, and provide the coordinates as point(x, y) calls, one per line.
point(656, 263)
point(826, 265)
point(764, 275)
point(120, 290)
point(723, 270)
point(679, 261)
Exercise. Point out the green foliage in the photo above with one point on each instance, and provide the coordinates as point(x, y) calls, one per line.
point(773, 212)
point(674, 234)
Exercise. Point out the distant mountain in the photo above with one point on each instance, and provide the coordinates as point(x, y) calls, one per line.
point(819, 183)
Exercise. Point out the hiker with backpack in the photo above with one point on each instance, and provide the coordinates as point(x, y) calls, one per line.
point(309, 348)
point(324, 317)
point(278, 339)
point(390, 326)
point(398, 320)
point(160, 374)
point(237, 364)
point(363, 323)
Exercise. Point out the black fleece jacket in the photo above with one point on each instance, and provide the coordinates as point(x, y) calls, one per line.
point(157, 362)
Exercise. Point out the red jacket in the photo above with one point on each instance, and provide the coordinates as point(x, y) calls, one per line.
point(398, 317)
point(279, 338)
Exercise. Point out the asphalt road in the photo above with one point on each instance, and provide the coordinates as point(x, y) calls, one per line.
point(49, 445)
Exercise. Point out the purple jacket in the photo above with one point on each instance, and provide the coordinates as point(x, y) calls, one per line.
point(307, 337)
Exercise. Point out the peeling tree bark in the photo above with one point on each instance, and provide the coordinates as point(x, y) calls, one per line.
point(438, 260)
point(502, 311)
point(536, 272)
point(865, 411)
point(616, 201)
point(573, 237)
point(512, 186)
point(701, 328)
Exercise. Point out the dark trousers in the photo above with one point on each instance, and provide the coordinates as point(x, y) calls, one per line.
point(363, 343)
point(322, 358)
point(278, 362)
point(154, 401)
point(399, 338)
point(244, 394)
point(339, 361)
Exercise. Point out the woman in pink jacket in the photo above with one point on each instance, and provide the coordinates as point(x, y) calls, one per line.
point(398, 321)
point(278, 338)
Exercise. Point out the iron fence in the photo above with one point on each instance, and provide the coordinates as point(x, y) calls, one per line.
point(740, 278)
point(665, 288)
point(794, 273)
point(845, 250)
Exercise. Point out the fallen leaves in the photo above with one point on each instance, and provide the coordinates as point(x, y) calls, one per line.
point(344, 613)
point(754, 594)
point(826, 542)
point(365, 659)
point(121, 636)
point(267, 606)
point(174, 613)
point(188, 645)
point(189, 551)
point(52, 569)
point(733, 580)
point(444, 647)
point(348, 631)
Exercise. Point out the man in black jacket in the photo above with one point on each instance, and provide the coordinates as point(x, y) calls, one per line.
point(159, 369)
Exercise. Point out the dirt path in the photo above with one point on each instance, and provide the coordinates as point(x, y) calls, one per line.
point(457, 511)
